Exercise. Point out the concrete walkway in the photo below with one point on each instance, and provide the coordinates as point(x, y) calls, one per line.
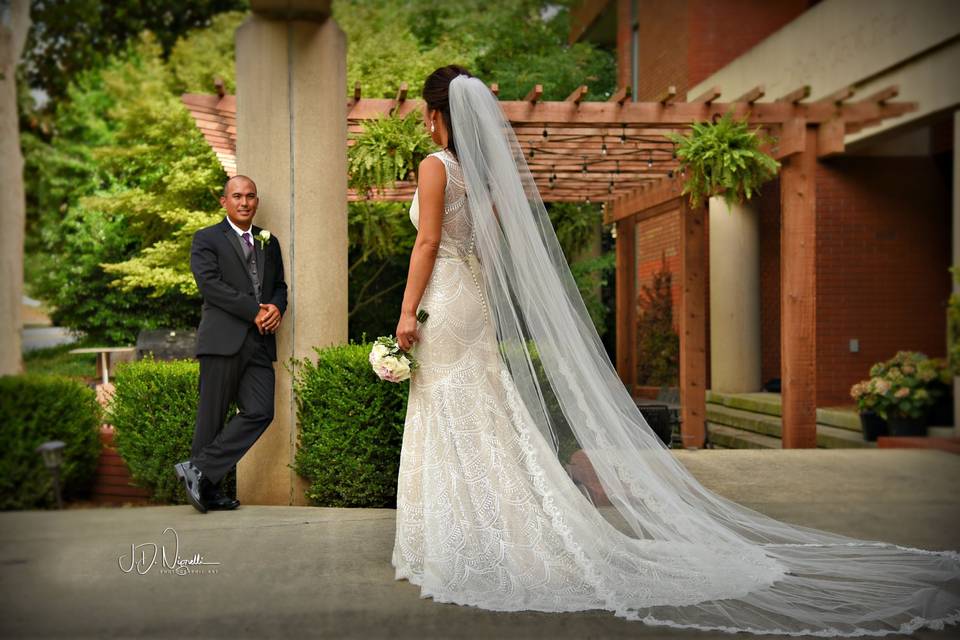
point(318, 572)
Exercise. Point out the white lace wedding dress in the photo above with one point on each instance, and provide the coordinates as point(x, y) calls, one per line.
point(486, 513)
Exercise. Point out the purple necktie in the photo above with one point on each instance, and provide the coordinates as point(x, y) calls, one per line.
point(247, 239)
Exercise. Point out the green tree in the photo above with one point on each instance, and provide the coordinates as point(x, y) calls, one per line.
point(68, 37)
point(116, 262)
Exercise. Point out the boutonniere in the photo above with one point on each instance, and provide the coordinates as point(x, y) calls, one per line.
point(263, 237)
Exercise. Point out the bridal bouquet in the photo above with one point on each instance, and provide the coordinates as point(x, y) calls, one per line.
point(389, 361)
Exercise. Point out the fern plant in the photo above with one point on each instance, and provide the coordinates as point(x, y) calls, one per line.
point(723, 158)
point(388, 149)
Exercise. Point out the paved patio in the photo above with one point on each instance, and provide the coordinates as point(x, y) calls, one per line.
point(318, 572)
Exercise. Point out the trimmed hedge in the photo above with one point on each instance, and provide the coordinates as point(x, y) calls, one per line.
point(35, 409)
point(154, 411)
point(351, 429)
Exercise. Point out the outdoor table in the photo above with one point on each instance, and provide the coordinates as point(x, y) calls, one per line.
point(103, 362)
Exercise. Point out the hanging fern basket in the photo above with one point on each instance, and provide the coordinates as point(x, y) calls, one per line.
point(723, 158)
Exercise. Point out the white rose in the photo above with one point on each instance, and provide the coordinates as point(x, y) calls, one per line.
point(379, 352)
point(265, 235)
point(399, 369)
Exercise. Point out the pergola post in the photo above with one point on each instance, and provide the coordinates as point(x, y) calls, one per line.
point(798, 294)
point(693, 325)
point(626, 300)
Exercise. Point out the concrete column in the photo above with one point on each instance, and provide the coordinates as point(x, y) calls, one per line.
point(14, 22)
point(734, 297)
point(292, 141)
point(956, 248)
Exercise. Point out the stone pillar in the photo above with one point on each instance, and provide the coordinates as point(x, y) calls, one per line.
point(13, 33)
point(292, 141)
point(734, 297)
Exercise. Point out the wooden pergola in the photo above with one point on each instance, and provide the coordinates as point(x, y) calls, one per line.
point(616, 152)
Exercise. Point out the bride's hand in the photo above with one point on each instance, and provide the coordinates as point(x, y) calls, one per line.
point(407, 331)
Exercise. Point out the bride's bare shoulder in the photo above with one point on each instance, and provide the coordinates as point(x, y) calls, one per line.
point(432, 174)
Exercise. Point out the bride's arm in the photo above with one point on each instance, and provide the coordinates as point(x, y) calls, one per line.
point(433, 178)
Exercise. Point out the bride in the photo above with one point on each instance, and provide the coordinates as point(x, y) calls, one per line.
point(513, 377)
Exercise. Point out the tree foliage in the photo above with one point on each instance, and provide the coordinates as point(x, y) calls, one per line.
point(68, 37)
point(123, 183)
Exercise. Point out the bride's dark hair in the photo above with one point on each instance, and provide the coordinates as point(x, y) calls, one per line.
point(436, 93)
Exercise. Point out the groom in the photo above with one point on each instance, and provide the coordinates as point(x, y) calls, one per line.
point(239, 271)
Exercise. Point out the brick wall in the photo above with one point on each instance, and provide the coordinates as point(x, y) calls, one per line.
point(682, 42)
point(768, 204)
point(883, 248)
point(719, 32)
point(658, 243)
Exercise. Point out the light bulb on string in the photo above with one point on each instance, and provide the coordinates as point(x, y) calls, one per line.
point(584, 169)
point(603, 149)
point(545, 133)
point(623, 134)
point(650, 160)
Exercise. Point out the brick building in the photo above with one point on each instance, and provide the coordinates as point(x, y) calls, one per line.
point(887, 218)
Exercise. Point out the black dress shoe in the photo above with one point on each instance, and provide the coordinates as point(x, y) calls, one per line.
point(192, 479)
point(217, 500)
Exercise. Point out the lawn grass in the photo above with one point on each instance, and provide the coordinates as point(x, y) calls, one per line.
point(59, 361)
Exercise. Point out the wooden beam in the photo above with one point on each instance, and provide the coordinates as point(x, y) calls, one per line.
point(356, 92)
point(577, 94)
point(830, 138)
point(660, 191)
point(838, 97)
point(534, 94)
point(708, 96)
point(626, 302)
point(693, 325)
point(884, 95)
point(795, 96)
point(792, 139)
point(653, 115)
point(753, 95)
point(495, 89)
point(798, 296)
point(667, 96)
point(621, 95)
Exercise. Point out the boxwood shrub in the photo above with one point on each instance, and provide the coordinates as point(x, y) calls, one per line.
point(350, 429)
point(35, 409)
point(153, 412)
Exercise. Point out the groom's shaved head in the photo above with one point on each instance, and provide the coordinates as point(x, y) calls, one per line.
point(226, 185)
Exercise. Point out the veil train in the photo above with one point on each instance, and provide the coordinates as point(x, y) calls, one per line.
point(806, 581)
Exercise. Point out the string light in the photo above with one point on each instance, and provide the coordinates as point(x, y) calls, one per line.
point(531, 152)
point(584, 169)
point(650, 160)
point(670, 173)
point(618, 167)
point(623, 133)
point(603, 149)
point(545, 133)
point(610, 188)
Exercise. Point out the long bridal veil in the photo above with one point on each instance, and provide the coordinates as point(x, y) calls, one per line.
point(806, 581)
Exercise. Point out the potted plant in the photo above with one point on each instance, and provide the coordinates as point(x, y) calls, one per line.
point(910, 384)
point(869, 395)
point(723, 158)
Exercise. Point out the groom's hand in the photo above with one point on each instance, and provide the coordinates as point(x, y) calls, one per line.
point(268, 320)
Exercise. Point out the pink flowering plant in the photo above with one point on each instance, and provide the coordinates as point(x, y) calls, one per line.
point(906, 385)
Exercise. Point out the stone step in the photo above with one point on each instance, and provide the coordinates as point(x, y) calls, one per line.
point(828, 437)
point(771, 404)
point(723, 437)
